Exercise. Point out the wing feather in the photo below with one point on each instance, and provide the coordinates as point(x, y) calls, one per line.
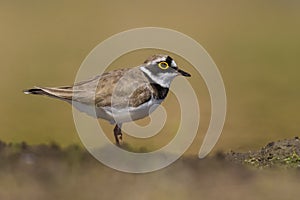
point(118, 88)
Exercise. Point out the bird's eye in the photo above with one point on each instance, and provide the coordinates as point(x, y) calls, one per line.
point(163, 65)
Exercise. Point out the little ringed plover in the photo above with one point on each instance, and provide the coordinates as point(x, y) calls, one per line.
point(121, 95)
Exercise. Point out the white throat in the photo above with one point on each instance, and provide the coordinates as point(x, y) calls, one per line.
point(163, 79)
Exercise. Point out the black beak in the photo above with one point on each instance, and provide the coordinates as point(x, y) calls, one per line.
point(183, 73)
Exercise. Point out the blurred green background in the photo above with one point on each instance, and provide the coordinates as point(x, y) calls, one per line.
point(255, 44)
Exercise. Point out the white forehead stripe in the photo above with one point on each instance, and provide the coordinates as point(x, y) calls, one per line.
point(173, 63)
point(160, 59)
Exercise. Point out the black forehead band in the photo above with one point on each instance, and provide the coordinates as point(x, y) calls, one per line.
point(169, 60)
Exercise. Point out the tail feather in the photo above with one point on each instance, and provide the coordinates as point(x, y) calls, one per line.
point(60, 93)
point(35, 91)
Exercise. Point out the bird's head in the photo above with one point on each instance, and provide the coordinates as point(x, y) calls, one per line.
point(162, 69)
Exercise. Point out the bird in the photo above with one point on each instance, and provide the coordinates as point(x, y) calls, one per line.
point(120, 95)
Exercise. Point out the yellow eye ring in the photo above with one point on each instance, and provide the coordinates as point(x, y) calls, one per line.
point(163, 65)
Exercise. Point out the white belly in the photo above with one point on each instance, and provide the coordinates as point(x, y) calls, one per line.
point(129, 114)
point(114, 115)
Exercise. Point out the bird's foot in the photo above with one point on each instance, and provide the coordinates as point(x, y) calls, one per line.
point(118, 135)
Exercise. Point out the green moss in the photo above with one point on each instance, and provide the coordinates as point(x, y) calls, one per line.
point(293, 160)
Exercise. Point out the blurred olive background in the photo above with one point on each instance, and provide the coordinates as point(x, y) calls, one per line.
point(255, 44)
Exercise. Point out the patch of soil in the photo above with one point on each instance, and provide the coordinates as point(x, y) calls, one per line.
point(283, 153)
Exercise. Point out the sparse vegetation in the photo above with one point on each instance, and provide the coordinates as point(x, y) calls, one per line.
point(50, 171)
point(284, 153)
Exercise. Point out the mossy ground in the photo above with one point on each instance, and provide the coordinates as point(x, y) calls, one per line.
point(282, 153)
point(52, 172)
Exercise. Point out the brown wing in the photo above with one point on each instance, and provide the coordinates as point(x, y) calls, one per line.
point(84, 91)
point(140, 96)
point(117, 88)
point(99, 89)
point(131, 88)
